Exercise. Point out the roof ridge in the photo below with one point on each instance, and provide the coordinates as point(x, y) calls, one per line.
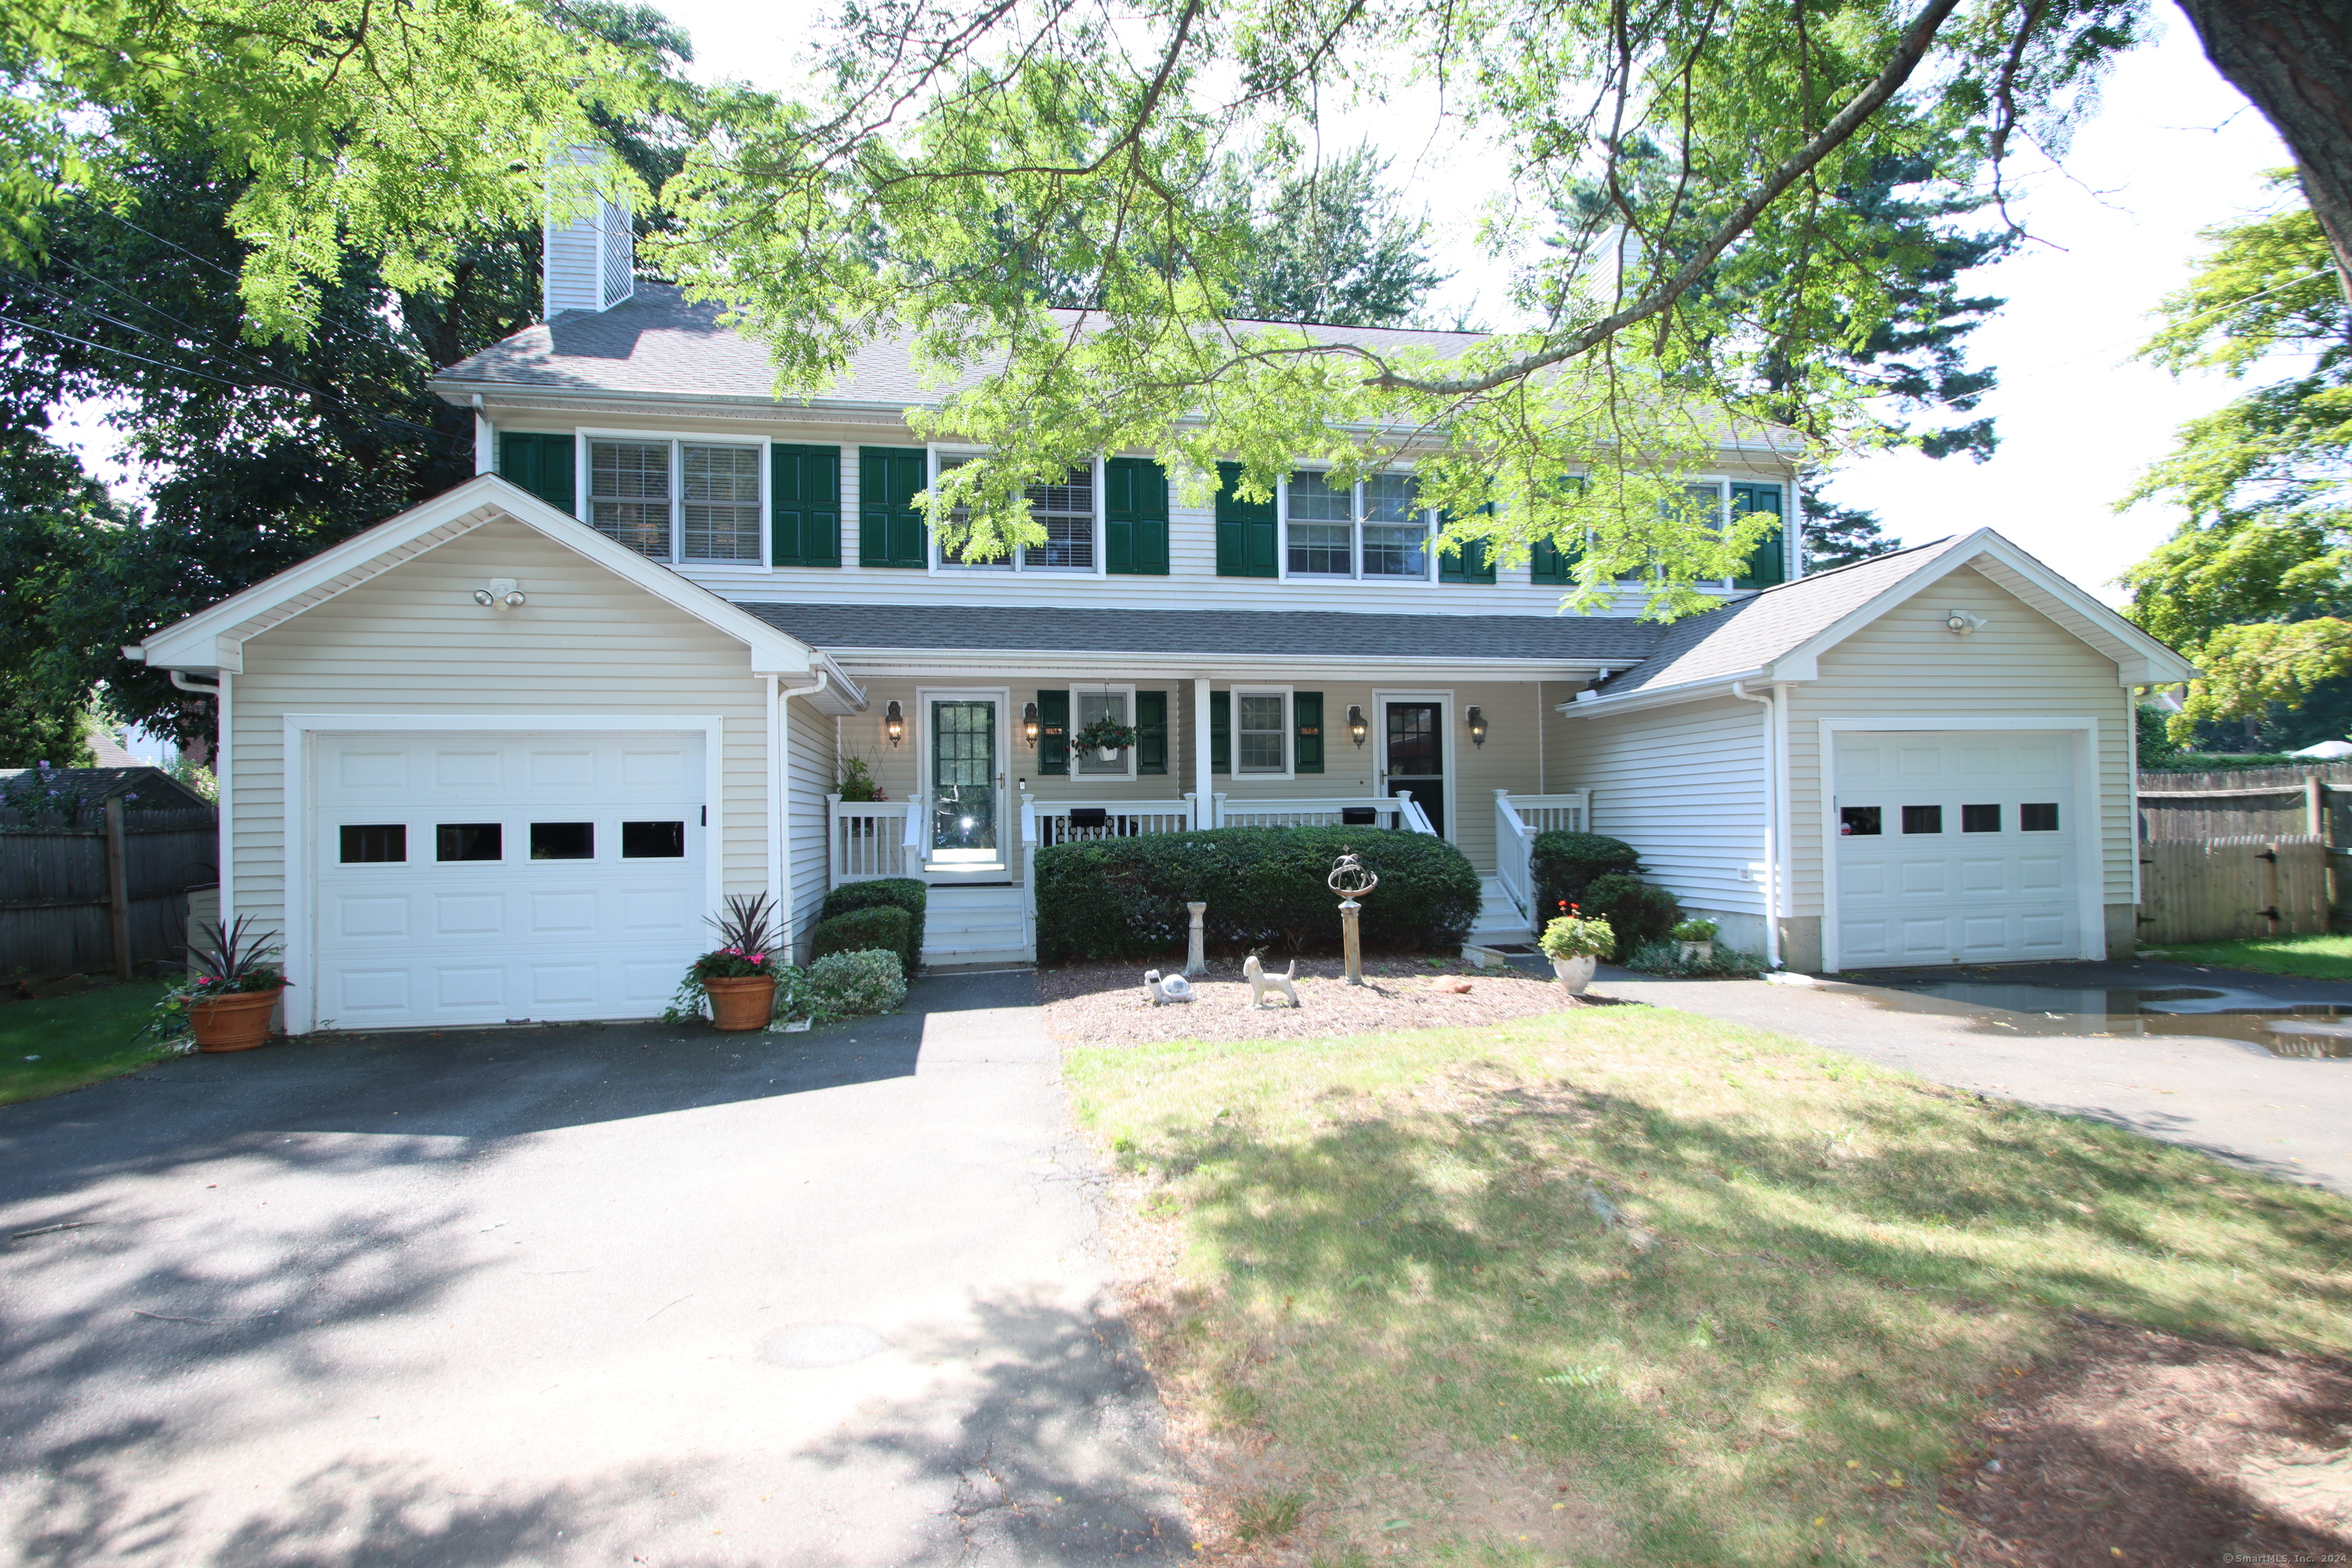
point(1851, 566)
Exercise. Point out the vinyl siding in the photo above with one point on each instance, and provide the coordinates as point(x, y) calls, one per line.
point(1684, 785)
point(809, 751)
point(1191, 581)
point(413, 641)
point(1907, 665)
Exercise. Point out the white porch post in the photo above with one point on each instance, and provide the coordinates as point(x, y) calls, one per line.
point(1205, 810)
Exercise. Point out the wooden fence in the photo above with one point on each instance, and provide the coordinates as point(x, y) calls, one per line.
point(2250, 803)
point(105, 889)
point(2215, 889)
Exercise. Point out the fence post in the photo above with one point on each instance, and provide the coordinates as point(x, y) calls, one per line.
point(118, 887)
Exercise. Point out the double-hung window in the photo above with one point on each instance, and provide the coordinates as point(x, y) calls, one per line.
point(1089, 707)
point(1066, 511)
point(1261, 732)
point(1377, 529)
point(677, 501)
point(953, 555)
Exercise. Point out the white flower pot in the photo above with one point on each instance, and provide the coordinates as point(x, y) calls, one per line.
point(1576, 974)
point(1694, 951)
point(1108, 753)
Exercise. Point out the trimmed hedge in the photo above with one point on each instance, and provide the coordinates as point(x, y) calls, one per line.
point(1265, 889)
point(903, 892)
point(1639, 912)
point(1562, 865)
point(885, 926)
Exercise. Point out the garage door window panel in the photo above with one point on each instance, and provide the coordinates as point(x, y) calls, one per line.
point(2040, 817)
point(367, 844)
point(1981, 819)
point(1859, 822)
point(469, 841)
point(1923, 819)
point(653, 840)
point(563, 841)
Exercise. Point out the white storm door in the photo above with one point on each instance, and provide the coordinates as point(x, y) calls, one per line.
point(1955, 847)
point(483, 878)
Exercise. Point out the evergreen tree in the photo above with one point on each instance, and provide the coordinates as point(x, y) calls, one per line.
point(1333, 245)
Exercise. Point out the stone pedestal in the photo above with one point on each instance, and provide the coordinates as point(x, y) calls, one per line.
point(1195, 961)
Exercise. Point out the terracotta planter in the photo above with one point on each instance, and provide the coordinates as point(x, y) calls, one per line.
point(1576, 974)
point(236, 1022)
point(742, 1004)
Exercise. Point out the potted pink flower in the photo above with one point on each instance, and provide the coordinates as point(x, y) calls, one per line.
point(738, 975)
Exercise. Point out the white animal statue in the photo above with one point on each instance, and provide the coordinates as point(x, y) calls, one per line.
point(1263, 986)
point(1175, 988)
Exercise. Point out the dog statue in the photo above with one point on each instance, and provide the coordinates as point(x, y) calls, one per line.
point(1263, 986)
point(1175, 988)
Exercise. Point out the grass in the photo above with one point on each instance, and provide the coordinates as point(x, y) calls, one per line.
point(2313, 957)
point(1717, 1296)
point(48, 1048)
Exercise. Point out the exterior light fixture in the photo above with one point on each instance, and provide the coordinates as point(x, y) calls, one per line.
point(1029, 724)
point(1357, 727)
point(894, 723)
point(1959, 623)
point(501, 595)
point(1478, 722)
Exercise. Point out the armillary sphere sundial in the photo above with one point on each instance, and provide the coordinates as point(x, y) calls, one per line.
point(1352, 881)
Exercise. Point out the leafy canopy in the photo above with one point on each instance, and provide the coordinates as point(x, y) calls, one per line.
point(1676, 179)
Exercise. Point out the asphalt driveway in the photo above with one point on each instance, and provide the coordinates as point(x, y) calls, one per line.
point(2199, 1080)
point(626, 1295)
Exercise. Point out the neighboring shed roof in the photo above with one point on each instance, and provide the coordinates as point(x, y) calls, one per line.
point(846, 630)
point(55, 789)
point(657, 342)
point(1752, 632)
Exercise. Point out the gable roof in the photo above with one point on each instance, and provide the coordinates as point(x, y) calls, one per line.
point(57, 788)
point(1210, 635)
point(213, 639)
point(1781, 633)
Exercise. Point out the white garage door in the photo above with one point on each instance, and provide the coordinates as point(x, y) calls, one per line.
point(1957, 847)
point(470, 879)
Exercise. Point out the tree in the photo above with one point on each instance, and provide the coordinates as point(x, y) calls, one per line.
point(989, 148)
point(1331, 246)
point(2256, 586)
point(52, 525)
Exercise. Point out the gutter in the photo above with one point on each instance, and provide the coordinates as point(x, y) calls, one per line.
point(1588, 705)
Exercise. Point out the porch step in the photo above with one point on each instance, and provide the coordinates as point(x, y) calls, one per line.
point(974, 925)
point(1499, 919)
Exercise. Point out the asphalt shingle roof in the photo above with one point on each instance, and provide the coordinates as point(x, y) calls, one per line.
point(655, 342)
point(1304, 634)
point(1753, 632)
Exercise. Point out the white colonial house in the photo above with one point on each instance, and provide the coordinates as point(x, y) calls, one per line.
point(496, 758)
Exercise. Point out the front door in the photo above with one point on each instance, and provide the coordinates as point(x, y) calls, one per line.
point(963, 781)
point(1416, 759)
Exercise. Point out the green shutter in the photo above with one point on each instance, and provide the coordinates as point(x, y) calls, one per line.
point(890, 530)
point(1548, 563)
point(540, 464)
point(1245, 541)
point(1220, 732)
point(1135, 517)
point(1307, 721)
point(1152, 732)
point(1770, 564)
point(1470, 561)
point(1053, 732)
point(804, 506)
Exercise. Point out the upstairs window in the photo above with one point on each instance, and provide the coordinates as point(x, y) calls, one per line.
point(1322, 532)
point(1378, 530)
point(677, 501)
point(1066, 512)
point(1396, 530)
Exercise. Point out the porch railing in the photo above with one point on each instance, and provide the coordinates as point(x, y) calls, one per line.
point(1077, 821)
point(874, 838)
point(1396, 810)
point(1517, 820)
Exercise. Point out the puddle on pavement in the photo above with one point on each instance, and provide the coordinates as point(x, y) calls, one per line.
point(2307, 1030)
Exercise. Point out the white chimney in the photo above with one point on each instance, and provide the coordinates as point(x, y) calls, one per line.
point(591, 262)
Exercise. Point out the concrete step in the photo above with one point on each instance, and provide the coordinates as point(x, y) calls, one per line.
point(975, 925)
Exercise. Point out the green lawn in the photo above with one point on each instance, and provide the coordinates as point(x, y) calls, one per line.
point(1398, 1279)
point(48, 1048)
point(2313, 957)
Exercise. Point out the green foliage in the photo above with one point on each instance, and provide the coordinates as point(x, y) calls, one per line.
point(1578, 936)
point(942, 194)
point(1329, 245)
point(858, 983)
point(1837, 535)
point(885, 926)
point(1695, 929)
point(1666, 958)
point(857, 783)
point(1640, 912)
point(1265, 888)
point(901, 892)
point(1562, 865)
point(2157, 746)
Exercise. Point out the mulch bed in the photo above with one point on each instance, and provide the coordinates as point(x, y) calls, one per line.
point(2147, 1449)
point(1105, 1005)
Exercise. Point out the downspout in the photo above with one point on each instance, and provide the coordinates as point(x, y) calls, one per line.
point(780, 798)
point(1772, 759)
point(485, 440)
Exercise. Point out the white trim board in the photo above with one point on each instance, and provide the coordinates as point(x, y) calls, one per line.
point(298, 957)
point(2090, 866)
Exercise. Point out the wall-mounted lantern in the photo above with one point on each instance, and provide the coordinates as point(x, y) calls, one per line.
point(1478, 722)
point(1357, 727)
point(503, 594)
point(894, 723)
point(1029, 724)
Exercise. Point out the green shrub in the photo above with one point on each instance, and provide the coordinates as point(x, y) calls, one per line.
point(853, 984)
point(1265, 889)
point(1665, 958)
point(885, 926)
point(1639, 912)
point(1564, 864)
point(904, 892)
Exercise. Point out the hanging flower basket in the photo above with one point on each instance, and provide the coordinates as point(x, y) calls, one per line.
point(1106, 737)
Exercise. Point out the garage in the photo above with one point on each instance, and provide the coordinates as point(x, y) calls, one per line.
point(487, 877)
point(1958, 848)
